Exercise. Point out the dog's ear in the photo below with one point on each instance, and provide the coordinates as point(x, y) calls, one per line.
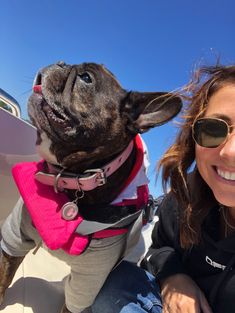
point(145, 110)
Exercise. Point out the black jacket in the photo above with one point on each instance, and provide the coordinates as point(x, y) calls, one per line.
point(211, 263)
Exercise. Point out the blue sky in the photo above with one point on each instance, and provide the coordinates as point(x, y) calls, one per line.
point(149, 45)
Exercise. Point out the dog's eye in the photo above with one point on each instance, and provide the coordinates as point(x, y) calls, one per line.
point(86, 78)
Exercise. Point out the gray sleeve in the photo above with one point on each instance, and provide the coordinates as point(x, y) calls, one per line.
point(18, 234)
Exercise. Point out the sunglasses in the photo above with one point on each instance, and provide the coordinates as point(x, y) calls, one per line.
point(210, 132)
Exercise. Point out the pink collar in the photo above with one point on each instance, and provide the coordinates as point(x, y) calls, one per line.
point(91, 178)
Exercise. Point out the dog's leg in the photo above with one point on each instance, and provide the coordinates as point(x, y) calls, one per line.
point(8, 266)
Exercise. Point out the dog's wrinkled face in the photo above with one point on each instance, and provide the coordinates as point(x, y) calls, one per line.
point(83, 115)
point(76, 109)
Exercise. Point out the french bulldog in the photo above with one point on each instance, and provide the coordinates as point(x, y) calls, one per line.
point(88, 130)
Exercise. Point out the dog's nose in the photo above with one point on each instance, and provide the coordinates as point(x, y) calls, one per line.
point(38, 79)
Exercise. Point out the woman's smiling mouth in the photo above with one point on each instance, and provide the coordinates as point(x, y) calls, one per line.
point(226, 174)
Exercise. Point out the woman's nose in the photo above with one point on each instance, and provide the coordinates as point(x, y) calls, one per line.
point(228, 150)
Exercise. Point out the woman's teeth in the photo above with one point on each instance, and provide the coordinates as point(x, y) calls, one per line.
point(226, 174)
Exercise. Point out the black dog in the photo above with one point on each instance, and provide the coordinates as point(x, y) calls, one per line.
point(86, 123)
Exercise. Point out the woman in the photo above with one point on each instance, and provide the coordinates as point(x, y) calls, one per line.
point(192, 255)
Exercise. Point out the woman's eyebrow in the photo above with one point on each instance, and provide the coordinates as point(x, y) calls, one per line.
point(221, 116)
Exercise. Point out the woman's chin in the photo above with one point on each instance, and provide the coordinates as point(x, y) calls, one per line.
point(226, 199)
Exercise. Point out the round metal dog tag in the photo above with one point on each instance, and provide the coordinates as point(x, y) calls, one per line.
point(69, 211)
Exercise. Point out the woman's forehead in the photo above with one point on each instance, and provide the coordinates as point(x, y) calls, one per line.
point(222, 103)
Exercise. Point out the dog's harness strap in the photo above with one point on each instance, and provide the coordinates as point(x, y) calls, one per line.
point(90, 227)
point(92, 178)
point(133, 234)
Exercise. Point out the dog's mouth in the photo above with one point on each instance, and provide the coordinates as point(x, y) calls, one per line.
point(50, 117)
point(56, 117)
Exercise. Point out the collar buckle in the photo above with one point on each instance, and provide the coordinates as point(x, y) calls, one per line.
point(100, 177)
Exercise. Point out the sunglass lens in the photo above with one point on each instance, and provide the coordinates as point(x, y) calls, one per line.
point(210, 133)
